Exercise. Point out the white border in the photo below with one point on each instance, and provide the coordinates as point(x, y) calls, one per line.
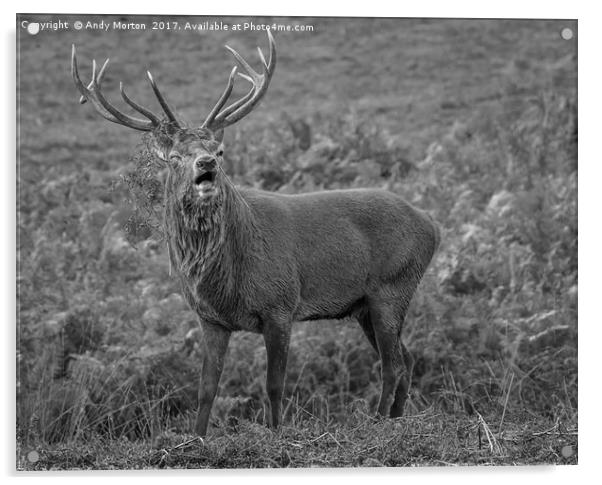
point(374, 8)
point(589, 241)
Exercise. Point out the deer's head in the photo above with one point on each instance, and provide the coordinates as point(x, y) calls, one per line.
point(193, 154)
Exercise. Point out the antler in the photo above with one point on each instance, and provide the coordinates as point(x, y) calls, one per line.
point(217, 119)
point(93, 93)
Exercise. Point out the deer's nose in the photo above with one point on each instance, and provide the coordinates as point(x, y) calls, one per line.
point(205, 162)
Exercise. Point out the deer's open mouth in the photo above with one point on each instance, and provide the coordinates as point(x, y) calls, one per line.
point(205, 183)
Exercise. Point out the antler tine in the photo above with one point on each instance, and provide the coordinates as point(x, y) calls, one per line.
point(82, 99)
point(252, 73)
point(141, 109)
point(259, 51)
point(234, 106)
point(94, 95)
point(126, 120)
point(260, 82)
point(162, 101)
point(222, 100)
point(85, 92)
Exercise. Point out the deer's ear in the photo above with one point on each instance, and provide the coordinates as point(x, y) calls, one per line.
point(219, 135)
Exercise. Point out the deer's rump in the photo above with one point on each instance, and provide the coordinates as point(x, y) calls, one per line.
point(334, 249)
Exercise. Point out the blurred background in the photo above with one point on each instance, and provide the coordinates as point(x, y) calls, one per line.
point(474, 121)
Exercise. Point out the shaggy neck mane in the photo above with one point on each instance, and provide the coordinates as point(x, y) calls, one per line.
point(209, 243)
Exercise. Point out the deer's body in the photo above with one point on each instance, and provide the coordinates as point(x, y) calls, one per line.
point(257, 261)
point(311, 256)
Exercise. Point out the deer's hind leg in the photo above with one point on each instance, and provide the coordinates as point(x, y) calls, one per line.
point(401, 392)
point(405, 291)
point(387, 313)
point(403, 388)
point(386, 328)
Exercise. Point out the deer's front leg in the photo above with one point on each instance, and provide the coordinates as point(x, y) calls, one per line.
point(276, 333)
point(215, 344)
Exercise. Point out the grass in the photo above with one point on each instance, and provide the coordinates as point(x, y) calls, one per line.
point(473, 121)
point(428, 438)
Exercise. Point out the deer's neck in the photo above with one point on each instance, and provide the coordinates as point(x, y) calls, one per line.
point(210, 243)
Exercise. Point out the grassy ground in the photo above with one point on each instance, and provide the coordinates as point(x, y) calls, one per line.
point(473, 121)
point(424, 439)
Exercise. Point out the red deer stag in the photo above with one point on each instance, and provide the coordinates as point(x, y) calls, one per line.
point(257, 261)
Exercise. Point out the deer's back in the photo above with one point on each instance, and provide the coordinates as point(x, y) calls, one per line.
point(371, 219)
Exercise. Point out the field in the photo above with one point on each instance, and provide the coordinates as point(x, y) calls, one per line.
point(474, 121)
